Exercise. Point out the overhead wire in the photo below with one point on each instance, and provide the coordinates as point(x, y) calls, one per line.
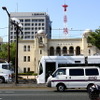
point(3, 27)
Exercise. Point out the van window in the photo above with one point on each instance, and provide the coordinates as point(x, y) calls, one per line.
point(60, 72)
point(92, 72)
point(5, 66)
point(76, 72)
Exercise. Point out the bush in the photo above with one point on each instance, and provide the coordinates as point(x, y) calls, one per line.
point(28, 73)
point(34, 74)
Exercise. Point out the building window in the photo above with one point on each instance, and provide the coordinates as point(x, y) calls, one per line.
point(35, 24)
point(28, 69)
point(24, 58)
point(40, 40)
point(42, 28)
point(32, 28)
point(21, 20)
point(58, 51)
point(39, 28)
point(28, 58)
point(24, 47)
point(39, 24)
point(40, 51)
point(89, 52)
point(51, 51)
point(64, 50)
point(77, 50)
point(42, 24)
point(27, 28)
point(35, 28)
point(32, 24)
point(71, 50)
point(27, 24)
point(28, 47)
point(24, 70)
point(27, 20)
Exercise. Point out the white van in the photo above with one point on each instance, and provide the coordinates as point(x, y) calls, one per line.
point(74, 77)
point(5, 72)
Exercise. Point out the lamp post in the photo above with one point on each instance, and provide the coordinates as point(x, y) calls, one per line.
point(4, 8)
point(18, 26)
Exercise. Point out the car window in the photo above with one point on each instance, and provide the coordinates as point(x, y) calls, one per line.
point(76, 72)
point(60, 72)
point(93, 71)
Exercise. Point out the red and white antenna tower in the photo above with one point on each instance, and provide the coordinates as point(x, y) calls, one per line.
point(65, 29)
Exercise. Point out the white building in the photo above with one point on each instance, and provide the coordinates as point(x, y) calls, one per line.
point(31, 22)
point(31, 51)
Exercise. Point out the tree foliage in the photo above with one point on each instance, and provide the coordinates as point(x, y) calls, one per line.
point(94, 38)
point(12, 52)
point(4, 52)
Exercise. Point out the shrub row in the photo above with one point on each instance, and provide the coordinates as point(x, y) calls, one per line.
point(28, 73)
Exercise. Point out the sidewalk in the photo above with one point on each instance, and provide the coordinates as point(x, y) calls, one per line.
point(18, 86)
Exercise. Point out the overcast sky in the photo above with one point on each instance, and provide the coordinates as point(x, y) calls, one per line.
point(81, 15)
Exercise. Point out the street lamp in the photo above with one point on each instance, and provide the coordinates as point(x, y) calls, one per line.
point(4, 8)
point(18, 26)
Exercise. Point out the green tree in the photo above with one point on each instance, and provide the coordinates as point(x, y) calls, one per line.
point(4, 52)
point(94, 38)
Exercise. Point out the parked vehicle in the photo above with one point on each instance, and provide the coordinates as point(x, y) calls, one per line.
point(74, 77)
point(5, 72)
point(48, 64)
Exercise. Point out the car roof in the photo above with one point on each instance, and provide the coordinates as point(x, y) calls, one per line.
point(78, 67)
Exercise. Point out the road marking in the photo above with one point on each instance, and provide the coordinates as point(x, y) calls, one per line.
point(0, 98)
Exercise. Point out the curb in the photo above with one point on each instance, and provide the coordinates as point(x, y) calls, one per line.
point(18, 86)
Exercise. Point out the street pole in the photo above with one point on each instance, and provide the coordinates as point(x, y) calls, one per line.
point(16, 58)
point(17, 25)
point(4, 8)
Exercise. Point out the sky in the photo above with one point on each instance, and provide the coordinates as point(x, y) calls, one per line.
point(81, 15)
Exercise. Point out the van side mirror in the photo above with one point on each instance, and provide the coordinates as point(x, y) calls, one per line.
point(52, 75)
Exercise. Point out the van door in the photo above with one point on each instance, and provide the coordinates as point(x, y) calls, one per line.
point(60, 75)
point(76, 78)
point(50, 68)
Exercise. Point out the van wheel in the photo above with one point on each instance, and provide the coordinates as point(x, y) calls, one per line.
point(1, 80)
point(88, 87)
point(61, 87)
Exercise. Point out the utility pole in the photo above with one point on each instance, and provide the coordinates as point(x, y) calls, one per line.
point(16, 59)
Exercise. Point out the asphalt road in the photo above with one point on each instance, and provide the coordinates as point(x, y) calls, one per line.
point(42, 94)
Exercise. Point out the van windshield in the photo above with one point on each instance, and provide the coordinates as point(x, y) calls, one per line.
point(5, 67)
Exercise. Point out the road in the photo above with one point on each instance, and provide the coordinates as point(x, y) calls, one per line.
point(42, 94)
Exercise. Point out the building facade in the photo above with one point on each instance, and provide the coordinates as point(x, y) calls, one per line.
point(31, 51)
point(1, 40)
point(31, 22)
